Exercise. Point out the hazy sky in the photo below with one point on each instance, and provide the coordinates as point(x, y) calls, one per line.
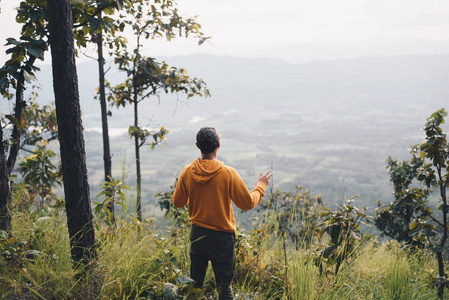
point(301, 30)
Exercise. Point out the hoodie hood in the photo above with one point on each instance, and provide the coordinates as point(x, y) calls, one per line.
point(204, 170)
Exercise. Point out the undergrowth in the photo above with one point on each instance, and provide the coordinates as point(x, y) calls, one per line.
point(145, 261)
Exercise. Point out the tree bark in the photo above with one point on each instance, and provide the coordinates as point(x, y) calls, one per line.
point(16, 132)
point(442, 244)
point(68, 112)
point(7, 166)
point(5, 191)
point(104, 122)
point(137, 150)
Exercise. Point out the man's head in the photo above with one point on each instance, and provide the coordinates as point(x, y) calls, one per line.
point(207, 139)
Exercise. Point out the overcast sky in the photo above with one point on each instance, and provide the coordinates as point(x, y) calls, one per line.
point(300, 30)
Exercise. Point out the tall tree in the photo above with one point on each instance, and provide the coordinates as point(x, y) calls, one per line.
point(15, 72)
point(147, 77)
point(94, 20)
point(104, 121)
point(73, 157)
point(410, 216)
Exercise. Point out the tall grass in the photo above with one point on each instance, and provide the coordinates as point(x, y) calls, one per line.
point(136, 261)
point(389, 272)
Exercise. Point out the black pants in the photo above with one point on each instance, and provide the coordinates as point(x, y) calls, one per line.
point(217, 247)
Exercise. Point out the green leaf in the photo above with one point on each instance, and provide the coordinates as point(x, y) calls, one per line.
point(328, 251)
point(413, 225)
point(35, 16)
point(13, 120)
point(422, 154)
point(20, 18)
point(421, 177)
point(3, 235)
point(168, 36)
point(29, 77)
point(184, 280)
point(94, 24)
point(170, 291)
point(41, 3)
point(202, 40)
point(334, 231)
point(3, 82)
point(35, 51)
point(12, 41)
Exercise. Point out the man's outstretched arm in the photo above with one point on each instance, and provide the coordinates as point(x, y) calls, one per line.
point(240, 195)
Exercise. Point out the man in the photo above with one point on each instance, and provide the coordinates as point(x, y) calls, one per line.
point(209, 186)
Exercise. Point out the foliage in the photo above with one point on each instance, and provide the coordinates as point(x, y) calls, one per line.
point(40, 175)
point(425, 227)
point(142, 134)
point(147, 77)
point(296, 213)
point(13, 74)
point(15, 253)
point(21, 199)
point(253, 270)
point(393, 272)
point(160, 19)
point(150, 78)
point(394, 219)
point(95, 20)
point(32, 44)
point(113, 192)
point(343, 227)
point(94, 17)
point(40, 123)
point(180, 216)
point(146, 262)
point(145, 265)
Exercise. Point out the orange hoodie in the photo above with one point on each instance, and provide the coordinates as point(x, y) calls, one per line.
point(209, 186)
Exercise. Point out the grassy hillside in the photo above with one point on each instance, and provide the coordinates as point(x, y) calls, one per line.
point(145, 261)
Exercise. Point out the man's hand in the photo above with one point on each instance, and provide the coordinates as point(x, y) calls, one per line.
point(265, 178)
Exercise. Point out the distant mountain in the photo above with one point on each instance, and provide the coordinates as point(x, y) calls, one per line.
point(399, 79)
point(380, 47)
point(325, 125)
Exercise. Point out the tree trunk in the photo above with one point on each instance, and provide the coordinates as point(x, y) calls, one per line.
point(5, 191)
point(442, 244)
point(6, 167)
point(16, 132)
point(68, 112)
point(137, 149)
point(104, 122)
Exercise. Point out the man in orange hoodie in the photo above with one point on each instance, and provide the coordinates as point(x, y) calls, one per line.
point(208, 186)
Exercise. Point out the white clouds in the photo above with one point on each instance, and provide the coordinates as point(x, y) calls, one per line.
point(298, 22)
point(256, 27)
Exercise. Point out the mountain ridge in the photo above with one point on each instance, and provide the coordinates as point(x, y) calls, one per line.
point(323, 125)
